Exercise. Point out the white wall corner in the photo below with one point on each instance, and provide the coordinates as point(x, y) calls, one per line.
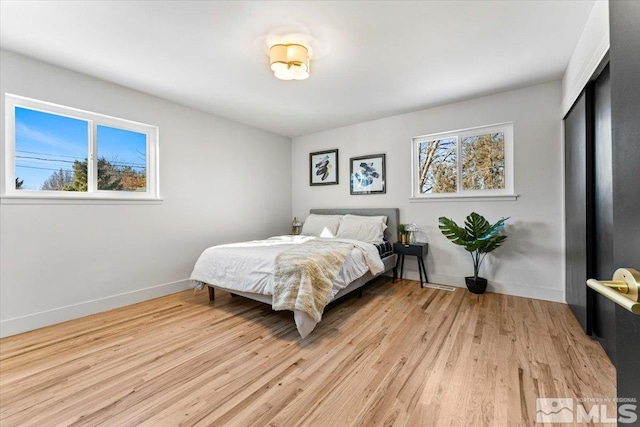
point(29, 322)
point(591, 48)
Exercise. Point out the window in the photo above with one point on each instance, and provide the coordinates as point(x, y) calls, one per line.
point(61, 152)
point(467, 163)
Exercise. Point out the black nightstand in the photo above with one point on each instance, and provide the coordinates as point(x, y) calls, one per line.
point(419, 250)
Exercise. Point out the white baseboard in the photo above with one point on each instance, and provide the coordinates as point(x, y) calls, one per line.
point(30, 322)
point(535, 292)
point(33, 321)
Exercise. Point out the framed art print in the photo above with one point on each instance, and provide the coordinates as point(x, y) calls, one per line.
point(368, 174)
point(323, 167)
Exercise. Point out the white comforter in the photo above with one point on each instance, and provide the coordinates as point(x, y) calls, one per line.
point(248, 267)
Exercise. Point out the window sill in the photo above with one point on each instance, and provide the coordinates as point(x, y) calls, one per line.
point(495, 198)
point(44, 200)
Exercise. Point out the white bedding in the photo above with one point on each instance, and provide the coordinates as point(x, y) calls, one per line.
point(248, 268)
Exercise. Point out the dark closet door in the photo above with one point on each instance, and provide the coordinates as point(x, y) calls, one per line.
point(577, 150)
point(602, 152)
point(589, 210)
point(604, 318)
point(624, 56)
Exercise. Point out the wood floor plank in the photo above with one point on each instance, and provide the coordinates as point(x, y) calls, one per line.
point(400, 355)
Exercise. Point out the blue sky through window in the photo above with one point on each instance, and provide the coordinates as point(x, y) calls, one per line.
point(46, 143)
point(123, 147)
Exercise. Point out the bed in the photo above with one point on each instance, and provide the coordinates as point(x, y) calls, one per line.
point(250, 269)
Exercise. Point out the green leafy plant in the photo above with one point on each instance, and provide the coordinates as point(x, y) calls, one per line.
point(404, 235)
point(478, 236)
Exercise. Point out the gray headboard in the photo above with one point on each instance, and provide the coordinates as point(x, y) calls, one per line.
point(392, 214)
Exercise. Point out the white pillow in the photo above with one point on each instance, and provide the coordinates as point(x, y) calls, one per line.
point(321, 225)
point(370, 231)
point(380, 218)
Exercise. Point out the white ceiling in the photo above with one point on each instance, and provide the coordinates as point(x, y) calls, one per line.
point(373, 59)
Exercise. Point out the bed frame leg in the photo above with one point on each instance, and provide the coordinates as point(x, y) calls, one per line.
point(212, 295)
point(359, 292)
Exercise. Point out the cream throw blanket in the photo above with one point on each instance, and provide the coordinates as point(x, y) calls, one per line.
point(305, 273)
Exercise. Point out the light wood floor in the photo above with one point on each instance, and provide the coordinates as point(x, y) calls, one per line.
point(400, 355)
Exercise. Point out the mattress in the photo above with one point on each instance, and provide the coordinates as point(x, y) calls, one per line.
point(247, 268)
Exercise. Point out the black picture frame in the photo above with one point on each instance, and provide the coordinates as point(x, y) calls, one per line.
point(367, 175)
point(323, 167)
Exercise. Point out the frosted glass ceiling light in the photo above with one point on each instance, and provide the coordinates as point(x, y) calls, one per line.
point(289, 61)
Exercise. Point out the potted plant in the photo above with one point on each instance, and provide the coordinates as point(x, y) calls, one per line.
point(404, 237)
point(478, 237)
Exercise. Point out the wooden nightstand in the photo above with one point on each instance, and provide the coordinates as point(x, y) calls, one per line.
point(419, 250)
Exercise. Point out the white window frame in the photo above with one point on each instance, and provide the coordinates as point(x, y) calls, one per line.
point(7, 186)
point(506, 193)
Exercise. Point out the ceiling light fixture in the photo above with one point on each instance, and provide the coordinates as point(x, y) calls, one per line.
point(289, 61)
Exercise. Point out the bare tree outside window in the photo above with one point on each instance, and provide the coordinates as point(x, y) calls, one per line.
point(483, 162)
point(60, 180)
point(473, 162)
point(438, 165)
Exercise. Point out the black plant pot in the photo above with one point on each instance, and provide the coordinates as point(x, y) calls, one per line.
point(476, 286)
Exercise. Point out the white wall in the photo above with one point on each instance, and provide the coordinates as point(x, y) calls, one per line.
point(592, 47)
point(220, 181)
point(531, 262)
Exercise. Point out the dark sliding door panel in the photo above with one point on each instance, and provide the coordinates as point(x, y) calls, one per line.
point(576, 198)
point(604, 319)
point(624, 17)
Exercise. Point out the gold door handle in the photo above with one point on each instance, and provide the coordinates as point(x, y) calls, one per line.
point(623, 289)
